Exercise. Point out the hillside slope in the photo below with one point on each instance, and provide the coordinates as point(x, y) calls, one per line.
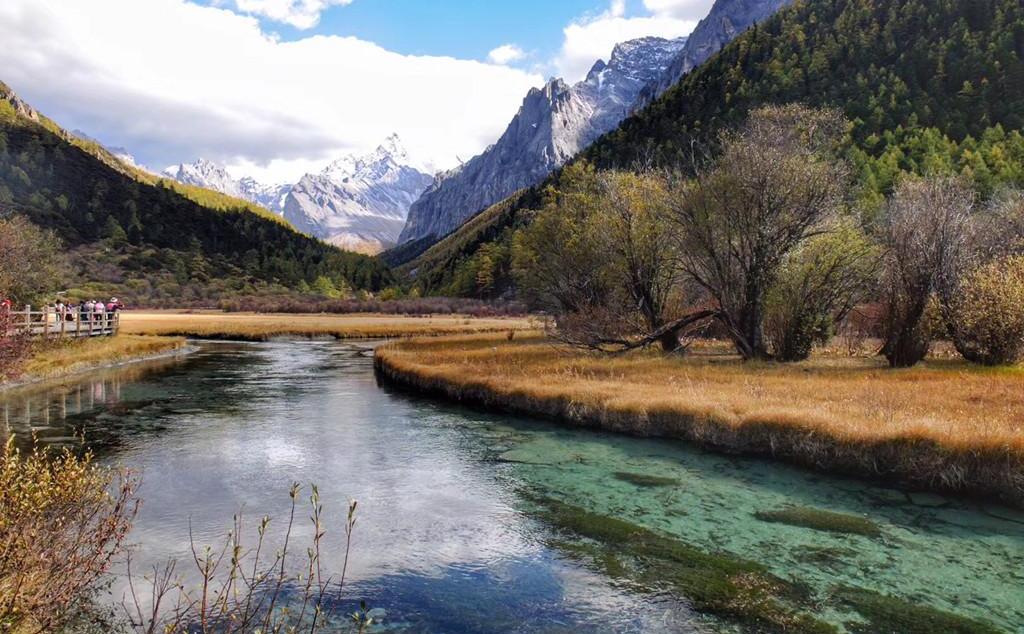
point(931, 86)
point(553, 124)
point(136, 236)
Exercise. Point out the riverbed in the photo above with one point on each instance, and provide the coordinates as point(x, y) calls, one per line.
point(452, 533)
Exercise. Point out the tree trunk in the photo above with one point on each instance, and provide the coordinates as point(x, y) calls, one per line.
point(751, 326)
point(906, 348)
point(669, 341)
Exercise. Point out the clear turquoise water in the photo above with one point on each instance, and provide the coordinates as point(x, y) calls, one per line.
point(446, 539)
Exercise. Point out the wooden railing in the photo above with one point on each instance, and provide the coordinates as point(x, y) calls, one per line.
point(49, 323)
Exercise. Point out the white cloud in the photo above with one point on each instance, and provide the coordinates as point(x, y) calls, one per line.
point(593, 37)
point(506, 54)
point(171, 81)
point(681, 9)
point(302, 14)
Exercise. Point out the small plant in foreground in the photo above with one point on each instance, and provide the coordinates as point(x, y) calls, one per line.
point(241, 588)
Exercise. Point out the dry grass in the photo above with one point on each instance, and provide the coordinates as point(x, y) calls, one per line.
point(260, 327)
point(945, 425)
point(57, 359)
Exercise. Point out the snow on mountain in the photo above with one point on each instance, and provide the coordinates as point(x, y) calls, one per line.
point(554, 123)
point(358, 202)
point(209, 175)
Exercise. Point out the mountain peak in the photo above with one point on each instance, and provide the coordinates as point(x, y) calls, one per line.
point(553, 124)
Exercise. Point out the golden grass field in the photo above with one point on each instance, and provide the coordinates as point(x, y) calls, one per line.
point(55, 360)
point(259, 327)
point(945, 425)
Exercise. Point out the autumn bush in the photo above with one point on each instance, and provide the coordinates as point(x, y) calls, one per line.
point(989, 313)
point(63, 520)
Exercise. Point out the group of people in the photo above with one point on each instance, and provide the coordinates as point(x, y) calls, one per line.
point(91, 310)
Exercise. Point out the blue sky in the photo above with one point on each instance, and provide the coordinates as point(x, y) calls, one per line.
point(278, 88)
point(447, 27)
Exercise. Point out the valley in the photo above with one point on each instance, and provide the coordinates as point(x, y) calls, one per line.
point(682, 316)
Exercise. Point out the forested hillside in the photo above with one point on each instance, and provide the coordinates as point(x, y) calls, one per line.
point(149, 241)
point(931, 86)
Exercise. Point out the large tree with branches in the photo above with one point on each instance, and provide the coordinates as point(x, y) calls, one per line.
point(775, 184)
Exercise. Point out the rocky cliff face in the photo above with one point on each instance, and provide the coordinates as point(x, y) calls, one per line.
point(359, 203)
point(727, 19)
point(554, 123)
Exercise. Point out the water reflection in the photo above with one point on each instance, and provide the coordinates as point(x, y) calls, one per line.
point(445, 541)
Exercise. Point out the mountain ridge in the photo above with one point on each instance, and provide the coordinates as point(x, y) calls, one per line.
point(552, 125)
point(358, 202)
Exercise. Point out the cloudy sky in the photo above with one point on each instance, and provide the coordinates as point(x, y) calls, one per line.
point(276, 88)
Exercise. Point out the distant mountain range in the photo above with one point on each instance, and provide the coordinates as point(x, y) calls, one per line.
point(204, 173)
point(145, 238)
point(552, 126)
point(359, 202)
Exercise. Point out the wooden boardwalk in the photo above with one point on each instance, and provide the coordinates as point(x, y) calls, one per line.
point(50, 324)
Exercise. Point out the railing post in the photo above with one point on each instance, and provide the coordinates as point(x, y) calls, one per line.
point(63, 316)
point(27, 326)
point(46, 322)
point(78, 324)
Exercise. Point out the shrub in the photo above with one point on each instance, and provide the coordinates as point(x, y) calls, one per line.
point(816, 288)
point(989, 313)
point(62, 521)
point(927, 236)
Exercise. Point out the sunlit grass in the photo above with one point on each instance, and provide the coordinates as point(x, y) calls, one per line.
point(250, 326)
point(55, 359)
point(936, 424)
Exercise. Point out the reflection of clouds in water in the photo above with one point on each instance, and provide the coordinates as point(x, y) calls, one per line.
point(424, 505)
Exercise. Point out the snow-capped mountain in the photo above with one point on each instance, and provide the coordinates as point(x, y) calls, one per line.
point(726, 20)
point(554, 123)
point(209, 175)
point(359, 203)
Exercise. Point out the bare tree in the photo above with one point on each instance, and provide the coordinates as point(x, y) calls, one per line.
point(775, 184)
point(927, 235)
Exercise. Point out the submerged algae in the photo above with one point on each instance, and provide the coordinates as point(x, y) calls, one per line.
point(644, 480)
point(723, 585)
point(890, 614)
point(819, 520)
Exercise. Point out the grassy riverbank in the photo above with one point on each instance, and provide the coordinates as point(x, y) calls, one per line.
point(261, 327)
point(944, 426)
point(57, 359)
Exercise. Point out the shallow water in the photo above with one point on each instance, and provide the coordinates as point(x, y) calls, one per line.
point(447, 539)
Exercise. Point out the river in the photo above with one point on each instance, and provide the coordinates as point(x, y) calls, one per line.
point(450, 536)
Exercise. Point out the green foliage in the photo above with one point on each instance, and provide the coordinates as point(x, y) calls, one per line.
point(816, 287)
point(86, 200)
point(31, 263)
point(931, 87)
point(989, 313)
